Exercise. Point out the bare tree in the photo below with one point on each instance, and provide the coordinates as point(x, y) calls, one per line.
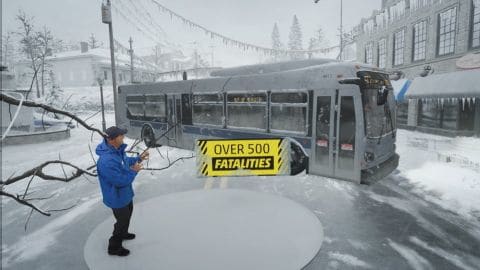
point(30, 44)
point(45, 43)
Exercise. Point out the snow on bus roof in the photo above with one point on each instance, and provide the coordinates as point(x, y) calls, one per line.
point(455, 84)
point(269, 68)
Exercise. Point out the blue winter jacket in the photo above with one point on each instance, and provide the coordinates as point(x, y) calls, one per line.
point(115, 174)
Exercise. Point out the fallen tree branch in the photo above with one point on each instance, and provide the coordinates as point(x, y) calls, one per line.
point(37, 171)
point(24, 202)
point(28, 103)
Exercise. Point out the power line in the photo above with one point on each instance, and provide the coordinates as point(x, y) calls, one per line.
point(230, 41)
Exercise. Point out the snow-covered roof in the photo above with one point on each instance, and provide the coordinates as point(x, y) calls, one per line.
point(102, 54)
point(269, 68)
point(455, 84)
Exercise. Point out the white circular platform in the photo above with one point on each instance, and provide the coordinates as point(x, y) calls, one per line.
point(214, 230)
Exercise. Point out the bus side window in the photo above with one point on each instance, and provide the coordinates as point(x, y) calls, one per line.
point(186, 109)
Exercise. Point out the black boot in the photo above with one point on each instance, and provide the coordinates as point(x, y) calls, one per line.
point(119, 251)
point(128, 236)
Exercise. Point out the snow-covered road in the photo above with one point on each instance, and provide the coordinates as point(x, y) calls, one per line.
point(424, 216)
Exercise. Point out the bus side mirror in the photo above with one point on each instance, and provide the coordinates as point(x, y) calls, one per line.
point(382, 95)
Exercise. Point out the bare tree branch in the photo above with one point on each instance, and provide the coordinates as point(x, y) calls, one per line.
point(37, 171)
point(24, 202)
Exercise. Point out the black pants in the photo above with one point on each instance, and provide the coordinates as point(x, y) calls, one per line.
point(120, 228)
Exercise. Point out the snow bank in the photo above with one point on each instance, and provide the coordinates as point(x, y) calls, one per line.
point(458, 189)
point(87, 98)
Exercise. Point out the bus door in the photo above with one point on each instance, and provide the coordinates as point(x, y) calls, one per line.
point(179, 119)
point(171, 121)
point(334, 137)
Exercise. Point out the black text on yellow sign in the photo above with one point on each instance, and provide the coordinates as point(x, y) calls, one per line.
point(242, 157)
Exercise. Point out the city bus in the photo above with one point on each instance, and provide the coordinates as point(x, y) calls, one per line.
point(339, 116)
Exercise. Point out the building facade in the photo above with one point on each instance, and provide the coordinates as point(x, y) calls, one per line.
point(427, 42)
point(417, 36)
point(85, 67)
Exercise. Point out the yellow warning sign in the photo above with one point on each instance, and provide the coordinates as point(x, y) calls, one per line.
point(243, 157)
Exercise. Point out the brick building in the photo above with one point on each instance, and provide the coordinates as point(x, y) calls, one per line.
point(429, 42)
point(409, 35)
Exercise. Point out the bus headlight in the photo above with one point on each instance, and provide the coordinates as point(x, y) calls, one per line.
point(369, 157)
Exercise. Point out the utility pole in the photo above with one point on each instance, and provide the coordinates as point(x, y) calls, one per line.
point(341, 28)
point(107, 19)
point(100, 82)
point(131, 59)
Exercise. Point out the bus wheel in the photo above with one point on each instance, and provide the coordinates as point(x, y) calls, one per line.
point(148, 136)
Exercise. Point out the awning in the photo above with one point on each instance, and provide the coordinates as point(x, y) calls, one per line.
point(461, 84)
point(400, 87)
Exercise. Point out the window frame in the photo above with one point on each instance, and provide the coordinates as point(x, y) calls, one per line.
point(295, 105)
point(472, 31)
point(135, 117)
point(454, 31)
point(163, 119)
point(395, 49)
point(416, 42)
point(221, 104)
point(384, 40)
point(257, 104)
point(369, 48)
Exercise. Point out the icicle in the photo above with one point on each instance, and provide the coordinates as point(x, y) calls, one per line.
point(463, 104)
point(441, 101)
point(469, 101)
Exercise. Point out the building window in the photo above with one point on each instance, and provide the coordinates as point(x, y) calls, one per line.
point(476, 24)
point(419, 41)
point(382, 53)
point(369, 53)
point(447, 21)
point(398, 47)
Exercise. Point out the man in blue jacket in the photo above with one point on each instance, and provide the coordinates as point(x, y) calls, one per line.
point(116, 172)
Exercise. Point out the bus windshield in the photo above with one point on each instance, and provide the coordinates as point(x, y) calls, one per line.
point(378, 103)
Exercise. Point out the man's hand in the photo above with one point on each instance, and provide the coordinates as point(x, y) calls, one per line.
point(137, 167)
point(145, 155)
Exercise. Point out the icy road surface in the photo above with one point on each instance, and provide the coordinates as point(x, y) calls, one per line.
point(424, 216)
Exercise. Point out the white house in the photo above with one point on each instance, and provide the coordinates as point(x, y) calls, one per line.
point(85, 67)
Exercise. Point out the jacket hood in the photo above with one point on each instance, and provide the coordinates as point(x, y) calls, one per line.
point(104, 148)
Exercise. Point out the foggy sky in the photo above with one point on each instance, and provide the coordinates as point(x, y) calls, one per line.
point(247, 20)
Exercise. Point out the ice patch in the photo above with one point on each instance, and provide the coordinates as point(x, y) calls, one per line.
point(348, 259)
point(415, 260)
point(38, 242)
point(452, 258)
